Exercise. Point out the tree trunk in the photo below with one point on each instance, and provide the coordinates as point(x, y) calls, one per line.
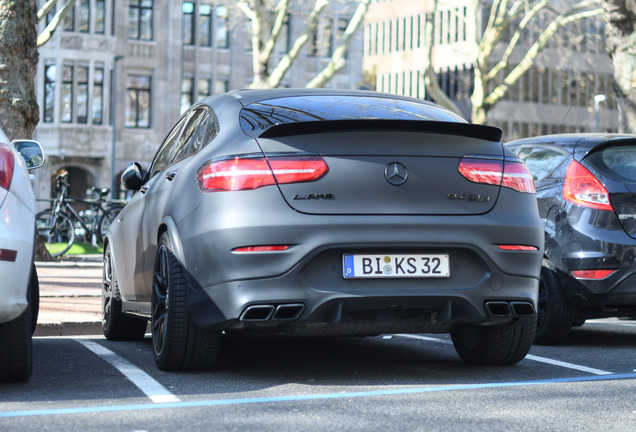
point(19, 112)
point(620, 19)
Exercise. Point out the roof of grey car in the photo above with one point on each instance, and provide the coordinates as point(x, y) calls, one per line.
point(247, 96)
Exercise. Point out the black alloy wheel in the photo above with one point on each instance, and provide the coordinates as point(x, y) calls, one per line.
point(178, 344)
point(116, 325)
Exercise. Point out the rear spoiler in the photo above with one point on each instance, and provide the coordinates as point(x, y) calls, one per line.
point(489, 133)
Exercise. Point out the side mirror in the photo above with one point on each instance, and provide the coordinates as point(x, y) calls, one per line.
point(31, 151)
point(133, 177)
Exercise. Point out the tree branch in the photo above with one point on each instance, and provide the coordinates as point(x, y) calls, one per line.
point(46, 35)
point(338, 59)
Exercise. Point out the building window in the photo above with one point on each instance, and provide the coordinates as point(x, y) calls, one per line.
point(188, 23)
point(322, 39)
point(100, 16)
point(69, 20)
point(66, 97)
point(203, 88)
point(82, 94)
point(186, 94)
point(50, 72)
point(51, 14)
point(84, 16)
point(140, 19)
point(205, 25)
point(222, 27)
point(138, 101)
point(98, 96)
point(283, 44)
point(221, 86)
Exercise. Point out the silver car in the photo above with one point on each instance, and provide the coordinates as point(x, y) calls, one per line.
point(325, 213)
point(19, 294)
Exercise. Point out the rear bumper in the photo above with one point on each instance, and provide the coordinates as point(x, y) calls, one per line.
point(307, 279)
point(586, 251)
point(292, 304)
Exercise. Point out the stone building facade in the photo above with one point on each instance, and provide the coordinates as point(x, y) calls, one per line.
point(556, 95)
point(118, 73)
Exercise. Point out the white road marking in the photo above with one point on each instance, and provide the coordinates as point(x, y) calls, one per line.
point(568, 365)
point(528, 357)
point(155, 391)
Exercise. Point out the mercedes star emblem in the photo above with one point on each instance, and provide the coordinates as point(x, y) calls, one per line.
point(396, 173)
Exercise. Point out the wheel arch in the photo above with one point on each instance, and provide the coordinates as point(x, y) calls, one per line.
point(168, 225)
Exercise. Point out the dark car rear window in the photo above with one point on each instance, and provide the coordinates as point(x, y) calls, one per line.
point(261, 115)
point(616, 162)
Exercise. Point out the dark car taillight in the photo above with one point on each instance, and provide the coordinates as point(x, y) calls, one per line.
point(513, 175)
point(253, 173)
point(582, 188)
point(7, 163)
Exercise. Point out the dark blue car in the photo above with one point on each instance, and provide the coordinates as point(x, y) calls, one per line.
point(586, 189)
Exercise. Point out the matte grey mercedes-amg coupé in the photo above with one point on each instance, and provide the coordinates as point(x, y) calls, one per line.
point(325, 213)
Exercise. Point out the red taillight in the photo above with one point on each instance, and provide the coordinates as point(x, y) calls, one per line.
point(513, 175)
point(274, 248)
point(592, 274)
point(7, 164)
point(253, 173)
point(582, 188)
point(518, 247)
point(517, 176)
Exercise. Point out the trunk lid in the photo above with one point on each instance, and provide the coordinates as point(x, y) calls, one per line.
point(387, 167)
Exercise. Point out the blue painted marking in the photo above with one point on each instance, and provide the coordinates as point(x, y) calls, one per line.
point(208, 403)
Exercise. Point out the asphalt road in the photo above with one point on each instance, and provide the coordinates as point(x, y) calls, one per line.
point(385, 383)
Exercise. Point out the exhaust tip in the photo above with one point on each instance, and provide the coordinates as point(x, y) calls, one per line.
point(288, 312)
point(257, 313)
point(523, 308)
point(499, 308)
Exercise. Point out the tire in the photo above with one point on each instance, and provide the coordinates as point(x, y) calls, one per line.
point(178, 344)
point(115, 325)
point(34, 293)
point(495, 345)
point(554, 316)
point(16, 354)
point(59, 231)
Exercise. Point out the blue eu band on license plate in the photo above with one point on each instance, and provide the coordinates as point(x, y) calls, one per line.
point(396, 266)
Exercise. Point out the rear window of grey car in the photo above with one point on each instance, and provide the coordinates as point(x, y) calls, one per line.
point(616, 162)
point(261, 115)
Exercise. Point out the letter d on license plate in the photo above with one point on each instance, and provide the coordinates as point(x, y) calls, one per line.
point(396, 266)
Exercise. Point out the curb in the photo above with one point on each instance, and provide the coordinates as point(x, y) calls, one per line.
point(91, 328)
point(80, 261)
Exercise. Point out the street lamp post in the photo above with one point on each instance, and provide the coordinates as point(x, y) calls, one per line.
point(113, 119)
point(597, 101)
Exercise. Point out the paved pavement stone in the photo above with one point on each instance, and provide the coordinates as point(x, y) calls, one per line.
point(70, 297)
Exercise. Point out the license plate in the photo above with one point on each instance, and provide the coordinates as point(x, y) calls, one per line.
point(396, 266)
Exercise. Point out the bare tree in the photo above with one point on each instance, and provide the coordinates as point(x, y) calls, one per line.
point(620, 19)
point(267, 18)
point(18, 64)
point(545, 20)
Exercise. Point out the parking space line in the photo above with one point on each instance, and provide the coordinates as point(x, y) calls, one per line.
point(155, 391)
point(528, 357)
point(568, 365)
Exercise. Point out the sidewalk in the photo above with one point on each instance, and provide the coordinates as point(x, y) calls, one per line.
point(70, 296)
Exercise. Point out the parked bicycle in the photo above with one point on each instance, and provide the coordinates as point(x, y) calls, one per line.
point(60, 225)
